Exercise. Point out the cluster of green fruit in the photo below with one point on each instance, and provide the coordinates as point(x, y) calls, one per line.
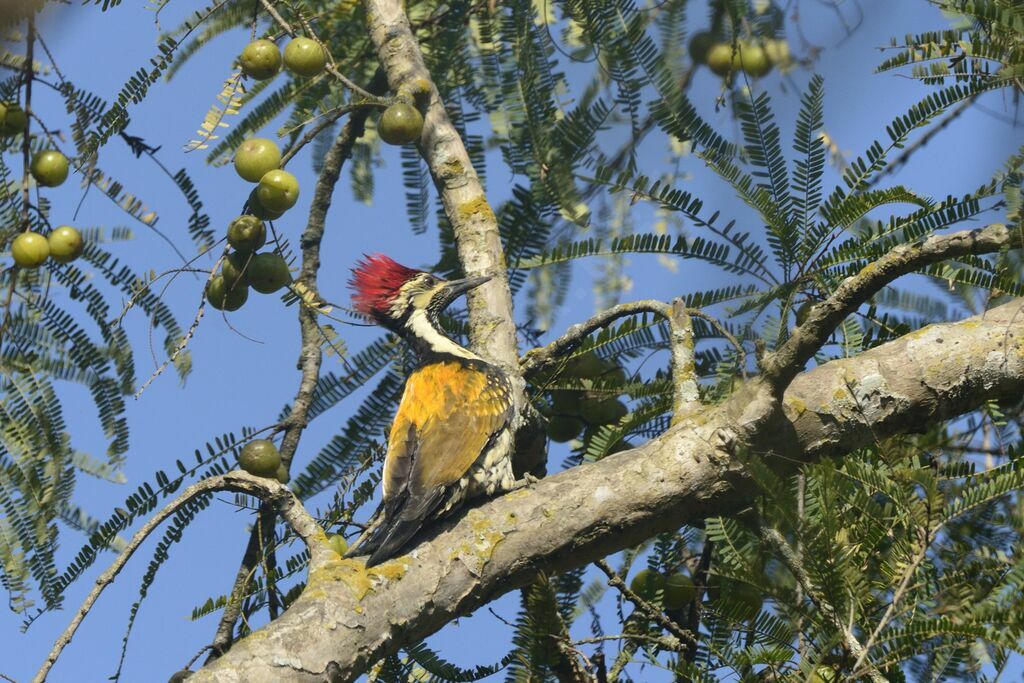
point(573, 411)
point(261, 458)
point(261, 59)
point(400, 124)
point(756, 58)
point(257, 160)
point(30, 249)
point(266, 272)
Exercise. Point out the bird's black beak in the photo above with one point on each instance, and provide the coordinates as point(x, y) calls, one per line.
point(457, 287)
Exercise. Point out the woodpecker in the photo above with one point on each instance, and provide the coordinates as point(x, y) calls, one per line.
point(451, 439)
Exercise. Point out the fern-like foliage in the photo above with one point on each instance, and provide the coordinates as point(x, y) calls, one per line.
point(911, 544)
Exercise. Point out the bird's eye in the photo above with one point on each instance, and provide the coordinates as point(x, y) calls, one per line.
point(429, 281)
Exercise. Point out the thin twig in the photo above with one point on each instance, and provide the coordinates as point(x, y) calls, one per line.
point(700, 580)
point(26, 142)
point(183, 342)
point(932, 131)
point(897, 598)
point(284, 502)
point(615, 581)
point(324, 121)
point(666, 642)
point(545, 356)
point(26, 147)
point(330, 68)
point(773, 538)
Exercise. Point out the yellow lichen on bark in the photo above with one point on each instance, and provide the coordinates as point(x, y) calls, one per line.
point(476, 207)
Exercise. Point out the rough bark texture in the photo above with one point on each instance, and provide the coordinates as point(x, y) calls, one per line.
point(348, 616)
point(492, 326)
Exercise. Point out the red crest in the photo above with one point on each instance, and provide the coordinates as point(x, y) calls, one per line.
point(375, 283)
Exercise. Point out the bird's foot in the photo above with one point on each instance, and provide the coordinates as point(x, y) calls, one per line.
point(527, 482)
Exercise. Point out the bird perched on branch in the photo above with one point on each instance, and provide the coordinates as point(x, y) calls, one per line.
point(452, 435)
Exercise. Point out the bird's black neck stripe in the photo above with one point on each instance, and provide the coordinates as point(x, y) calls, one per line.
point(422, 331)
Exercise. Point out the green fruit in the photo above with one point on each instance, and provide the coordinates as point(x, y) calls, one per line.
point(719, 58)
point(337, 543)
point(260, 458)
point(647, 584)
point(562, 428)
point(268, 272)
point(616, 376)
point(246, 233)
point(679, 591)
point(304, 57)
point(699, 46)
point(30, 249)
point(777, 51)
point(15, 120)
point(234, 270)
point(400, 124)
point(255, 157)
point(602, 411)
point(586, 366)
point(743, 598)
point(565, 402)
point(65, 244)
point(754, 60)
point(282, 474)
point(223, 297)
point(257, 209)
point(802, 311)
point(49, 168)
point(278, 190)
point(260, 59)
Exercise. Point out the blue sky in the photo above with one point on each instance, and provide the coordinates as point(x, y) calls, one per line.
point(239, 382)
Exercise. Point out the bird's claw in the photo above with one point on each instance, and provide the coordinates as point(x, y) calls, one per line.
point(527, 482)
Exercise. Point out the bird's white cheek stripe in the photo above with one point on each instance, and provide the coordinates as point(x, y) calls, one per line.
point(420, 326)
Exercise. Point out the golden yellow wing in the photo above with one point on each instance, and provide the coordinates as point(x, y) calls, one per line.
point(448, 414)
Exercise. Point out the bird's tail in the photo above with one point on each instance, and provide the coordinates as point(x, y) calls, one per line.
point(371, 536)
point(391, 539)
point(383, 537)
point(388, 533)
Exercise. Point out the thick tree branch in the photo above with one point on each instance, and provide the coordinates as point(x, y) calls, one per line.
point(349, 617)
point(782, 366)
point(491, 323)
point(270, 490)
